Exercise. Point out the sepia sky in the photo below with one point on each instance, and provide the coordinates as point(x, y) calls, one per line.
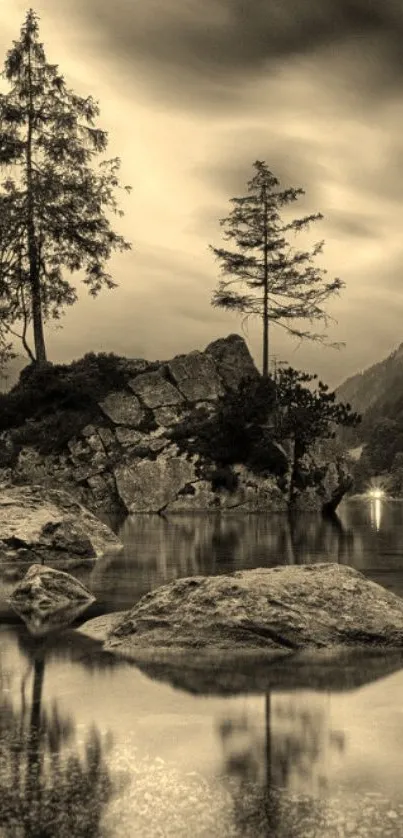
point(192, 93)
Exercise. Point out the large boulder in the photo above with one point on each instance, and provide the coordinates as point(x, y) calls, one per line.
point(123, 409)
point(150, 485)
point(263, 613)
point(48, 599)
point(233, 360)
point(46, 524)
point(154, 390)
point(196, 376)
point(327, 473)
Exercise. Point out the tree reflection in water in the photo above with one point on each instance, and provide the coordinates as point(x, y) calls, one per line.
point(49, 785)
point(288, 756)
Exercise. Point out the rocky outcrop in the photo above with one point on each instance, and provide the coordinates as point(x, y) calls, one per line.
point(125, 459)
point(155, 390)
point(233, 360)
point(123, 409)
point(151, 485)
point(327, 474)
point(50, 526)
point(48, 599)
point(262, 612)
point(196, 377)
point(254, 493)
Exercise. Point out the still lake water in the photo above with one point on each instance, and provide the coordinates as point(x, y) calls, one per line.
point(92, 746)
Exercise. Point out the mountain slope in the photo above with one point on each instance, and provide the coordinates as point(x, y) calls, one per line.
point(380, 385)
point(377, 393)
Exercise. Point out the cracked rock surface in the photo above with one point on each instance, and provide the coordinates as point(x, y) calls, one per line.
point(38, 524)
point(47, 599)
point(274, 611)
point(125, 462)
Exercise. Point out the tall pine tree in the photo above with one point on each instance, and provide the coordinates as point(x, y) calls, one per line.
point(54, 206)
point(278, 283)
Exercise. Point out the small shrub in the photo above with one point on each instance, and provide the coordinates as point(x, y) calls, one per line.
point(53, 402)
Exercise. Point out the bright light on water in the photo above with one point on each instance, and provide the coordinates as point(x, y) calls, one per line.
point(376, 513)
point(376, 493)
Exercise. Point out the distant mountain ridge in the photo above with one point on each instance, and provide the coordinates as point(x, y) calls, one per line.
point(377, 391)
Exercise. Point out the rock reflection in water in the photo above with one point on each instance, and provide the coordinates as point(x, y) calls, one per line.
point(50, 784)
point(42, 625)
point(161, 550)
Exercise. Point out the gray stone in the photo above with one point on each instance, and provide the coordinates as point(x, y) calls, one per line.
point(133, 440)
point(103, 490)
point(95, 443)
point(273, 611)
point(332, 480)
point(154, 390)
point(149, 485)
point(123, 409)
point(170, 415)
point(196, 376)
point(89, 430)
point(198, 497)
point(106, 436)
point(254, 493)
point(128, 437)
point(233, 360)
point(51, 525)
point(79, 450)
point(93, 463)
point(29, 461)
point(48, 599)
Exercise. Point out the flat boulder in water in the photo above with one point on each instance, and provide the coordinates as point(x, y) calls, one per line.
point(48, 599)
point(264, 612)
point(49, 525)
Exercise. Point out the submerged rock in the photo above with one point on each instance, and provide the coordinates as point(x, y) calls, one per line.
point(38, 523)
point(48, 599)
point(259, 613)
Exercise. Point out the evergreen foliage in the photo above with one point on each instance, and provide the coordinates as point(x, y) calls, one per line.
point(251, 423)
point(277, 283)
point(52, 403)
point(53, 205)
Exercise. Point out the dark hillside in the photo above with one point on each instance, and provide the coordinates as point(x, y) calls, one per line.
point(378, 394)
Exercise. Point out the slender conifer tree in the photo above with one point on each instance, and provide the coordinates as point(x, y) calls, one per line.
point(54, 205)
point(277, 282)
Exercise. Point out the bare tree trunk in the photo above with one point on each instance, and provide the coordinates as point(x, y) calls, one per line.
point(33, 784)
point(265, 292)
point(269, 755)
point(33, 256)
